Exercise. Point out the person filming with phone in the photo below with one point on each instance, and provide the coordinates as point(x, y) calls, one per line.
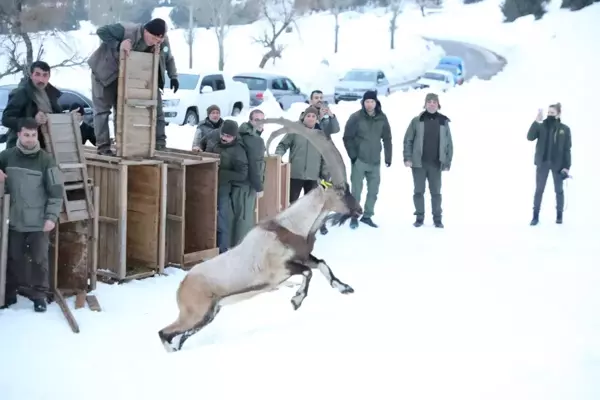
point(552, 154)
point(326, 119)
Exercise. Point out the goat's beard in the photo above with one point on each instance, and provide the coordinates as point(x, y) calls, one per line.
point(337, 219)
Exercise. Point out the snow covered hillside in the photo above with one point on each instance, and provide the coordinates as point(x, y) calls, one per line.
point(488, 308)
point(364, 42)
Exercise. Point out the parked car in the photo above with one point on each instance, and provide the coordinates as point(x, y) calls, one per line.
point(197, 91)
point(285, 91)
point(454, 60)
point(437, 79)
point(357, 81)
point(454, 70)
point(67, 98)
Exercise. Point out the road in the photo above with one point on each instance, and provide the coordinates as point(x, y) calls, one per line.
point(479, 62)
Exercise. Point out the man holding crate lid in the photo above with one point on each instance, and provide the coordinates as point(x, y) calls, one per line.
point(104, 64)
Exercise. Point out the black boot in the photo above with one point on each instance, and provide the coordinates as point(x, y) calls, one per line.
point(437, 222)
point(324, 230)
point(39, 305)
point(9, 300)
point(418, 222)
point(535, 219)
point(559, 215)
point(368, 221)
point(353, 223)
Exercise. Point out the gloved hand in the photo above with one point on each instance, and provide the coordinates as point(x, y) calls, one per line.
point(175, 85)
point(388, 164)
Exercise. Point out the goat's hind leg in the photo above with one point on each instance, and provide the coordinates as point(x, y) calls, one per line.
point(187, 325)
point(321, 265)
point(297, 268)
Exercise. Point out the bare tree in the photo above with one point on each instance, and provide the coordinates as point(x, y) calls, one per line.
point(23, 19)
point(220, 13)
point(395, 8)
point(336, 7)
point(280, 15)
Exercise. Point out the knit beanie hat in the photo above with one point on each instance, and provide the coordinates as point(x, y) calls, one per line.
point(156, 27)
point(212, 108)
point(370, 95)
point(229, 127)
point(434, 97)
point(310, 110)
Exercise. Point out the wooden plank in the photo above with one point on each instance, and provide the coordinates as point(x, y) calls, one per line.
point(5, 212)
point(93, 303)
point(286, 170)
point(64, 307)
point(270, 204)
point(199, 256)
point(80, 300)
point(93, 268)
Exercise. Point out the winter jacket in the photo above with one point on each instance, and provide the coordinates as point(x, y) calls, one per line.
point(364, 135)
point(104, 62)
point(255, 150)
point(560, 135)
point(35, 185)
point(413, 142)
point(307, 163)
point(233, 164)
point(204, 128)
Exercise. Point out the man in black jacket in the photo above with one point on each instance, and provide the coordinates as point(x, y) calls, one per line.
point(33, 98)
point(552, 153)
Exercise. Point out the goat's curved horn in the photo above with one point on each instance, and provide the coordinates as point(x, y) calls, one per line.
point(324, 145)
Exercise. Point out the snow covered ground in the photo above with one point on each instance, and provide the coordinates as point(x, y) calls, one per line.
point(305, 46)
point(488, 308)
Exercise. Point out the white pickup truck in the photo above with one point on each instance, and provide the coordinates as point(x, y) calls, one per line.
point(197, 91)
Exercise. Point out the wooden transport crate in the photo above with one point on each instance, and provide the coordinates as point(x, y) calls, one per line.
point(73, 263)
point(276, 195)
point(191, 223)
point(62, 136)
point(132, 215)
point(4, 213)
point(137, 104)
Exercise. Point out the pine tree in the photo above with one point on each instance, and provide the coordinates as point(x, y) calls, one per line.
point(575, 5)
point(513, 9)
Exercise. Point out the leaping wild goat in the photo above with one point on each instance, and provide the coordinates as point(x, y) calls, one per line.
point(272, 252)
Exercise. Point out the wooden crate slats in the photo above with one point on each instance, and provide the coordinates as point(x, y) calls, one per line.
point(4, 213)
point(131, 215)
point(286, 170)
point(190, 207)
point(270, 204)
point(137, 101)
point(63, 140)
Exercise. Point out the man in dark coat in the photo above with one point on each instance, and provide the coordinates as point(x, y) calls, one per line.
point(364, 134)
point(252, 189)
point(104, 64)
point(428, 150)
point(35, 185)
point(34, 98)
point(233, 169)
point(212, 121)
point(552, 154)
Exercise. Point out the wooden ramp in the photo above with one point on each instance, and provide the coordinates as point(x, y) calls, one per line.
point(62, 136)
point(4, 213)
point(137, 103)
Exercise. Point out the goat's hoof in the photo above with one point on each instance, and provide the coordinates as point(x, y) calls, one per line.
point(296, 302)
point(347, 289)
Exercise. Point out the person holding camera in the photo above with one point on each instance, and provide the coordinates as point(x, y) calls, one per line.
point(327, 120)
point(552, 154)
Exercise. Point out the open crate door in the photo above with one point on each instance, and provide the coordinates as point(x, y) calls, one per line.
point(270, 204)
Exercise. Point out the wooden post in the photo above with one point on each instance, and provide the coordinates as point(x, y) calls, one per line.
point(5, 211)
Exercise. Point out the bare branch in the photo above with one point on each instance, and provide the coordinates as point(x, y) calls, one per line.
point(279, 15)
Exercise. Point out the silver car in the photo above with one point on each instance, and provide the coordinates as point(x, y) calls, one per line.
point(282, 87)
point(357, 81)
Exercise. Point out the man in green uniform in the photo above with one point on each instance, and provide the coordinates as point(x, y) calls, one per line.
point(104, 64)
point(34, 183)
point(365, 130)
point(252, 189)
point(233, 170)
point(428, 151)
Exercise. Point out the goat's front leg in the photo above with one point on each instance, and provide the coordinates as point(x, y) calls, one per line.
point(296, 268)
point(321, 265)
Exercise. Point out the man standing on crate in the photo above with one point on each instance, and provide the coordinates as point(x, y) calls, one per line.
point(104, 64)
point(34, 183)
